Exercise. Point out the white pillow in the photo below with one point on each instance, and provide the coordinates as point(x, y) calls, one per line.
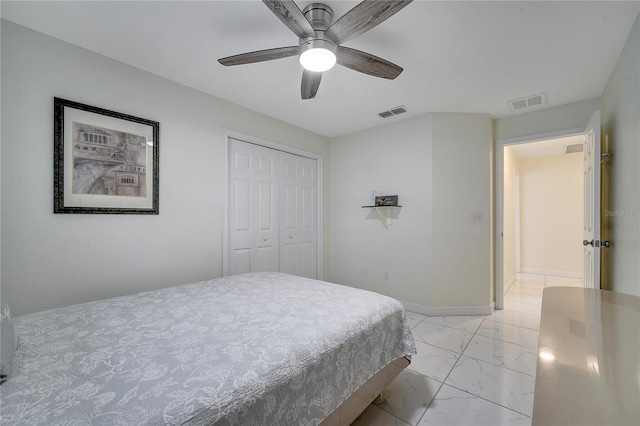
point(8, 342)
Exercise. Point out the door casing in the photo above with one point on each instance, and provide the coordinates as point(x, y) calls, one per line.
point(499, 191)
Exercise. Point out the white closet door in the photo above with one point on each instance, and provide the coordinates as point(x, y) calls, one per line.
point(298, 230)
point(253, 202)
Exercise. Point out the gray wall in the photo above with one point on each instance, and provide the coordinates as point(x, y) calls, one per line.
point(394, 159)
point(462, 217)
point(55, 260)
point(574, 116)
point(438, 256)
point(621, 137)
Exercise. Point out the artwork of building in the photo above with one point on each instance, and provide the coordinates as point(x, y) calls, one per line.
point(108, 162)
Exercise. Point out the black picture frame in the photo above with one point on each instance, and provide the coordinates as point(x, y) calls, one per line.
point(104, 162)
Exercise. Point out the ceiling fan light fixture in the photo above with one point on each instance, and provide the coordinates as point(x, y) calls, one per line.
point(317, 55)
point(320, 40)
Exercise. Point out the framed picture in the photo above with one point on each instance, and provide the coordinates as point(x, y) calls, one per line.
point(104, 162)
point(387, 200)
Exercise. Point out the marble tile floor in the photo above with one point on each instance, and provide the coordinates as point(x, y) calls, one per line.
point(470, 370)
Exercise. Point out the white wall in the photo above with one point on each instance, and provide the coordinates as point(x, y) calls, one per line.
point(0, 149)
point(509, 217)
point(462, 210)
point(574, 116)
point(438, 258)
point(621, 137)
point(393, 159)
point(55, 260)
point(551, 215)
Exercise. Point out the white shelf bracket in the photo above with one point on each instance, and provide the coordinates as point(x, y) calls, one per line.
point(383, 212)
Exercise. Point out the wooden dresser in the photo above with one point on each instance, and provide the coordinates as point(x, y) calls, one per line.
point(588, 358)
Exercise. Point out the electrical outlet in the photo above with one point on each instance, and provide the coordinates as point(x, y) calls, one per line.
point(387, 275)
point(476, 217)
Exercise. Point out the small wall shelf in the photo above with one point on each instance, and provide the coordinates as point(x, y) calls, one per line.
point(383, 212)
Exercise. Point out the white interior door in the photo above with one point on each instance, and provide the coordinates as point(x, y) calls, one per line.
point(253, 217)
point(272, 211)
point(591, 232)
point(298, 230)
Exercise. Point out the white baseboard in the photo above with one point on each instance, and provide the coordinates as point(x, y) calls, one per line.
point(509, 283)
point(437, 311)
point(523, 276)
point(553, 272)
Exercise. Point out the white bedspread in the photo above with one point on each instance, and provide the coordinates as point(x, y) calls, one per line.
point(254, 349)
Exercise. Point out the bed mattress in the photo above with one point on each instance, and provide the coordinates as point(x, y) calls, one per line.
point(252, 349)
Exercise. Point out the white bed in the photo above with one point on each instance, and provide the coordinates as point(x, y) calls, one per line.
point(253, 349)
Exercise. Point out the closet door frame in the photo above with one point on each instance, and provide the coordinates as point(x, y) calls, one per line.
point(232, 134)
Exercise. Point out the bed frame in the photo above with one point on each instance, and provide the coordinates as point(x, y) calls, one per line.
point(353, 406)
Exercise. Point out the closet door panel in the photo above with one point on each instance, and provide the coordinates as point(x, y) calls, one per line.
point(288, 256)
point(307, 259)
point(241, 216)
point(298, 233)
point(289, 208)
point(307, 229)
point(266, 234)
point(253, 237)
point(241, 261)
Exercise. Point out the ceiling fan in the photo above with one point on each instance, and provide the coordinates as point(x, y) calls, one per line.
point(320, 41)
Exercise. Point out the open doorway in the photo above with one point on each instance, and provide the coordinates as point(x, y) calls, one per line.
point(543, 213)
point(538, 228)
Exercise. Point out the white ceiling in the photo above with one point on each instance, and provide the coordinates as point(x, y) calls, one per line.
point(545, 148)
point(457, 56)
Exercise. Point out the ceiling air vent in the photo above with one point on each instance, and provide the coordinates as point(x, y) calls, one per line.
point(570, 149)
point(528, 102)
point(393, 111)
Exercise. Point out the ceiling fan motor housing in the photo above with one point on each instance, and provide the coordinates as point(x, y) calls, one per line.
point(319, 42)
point(319, 15)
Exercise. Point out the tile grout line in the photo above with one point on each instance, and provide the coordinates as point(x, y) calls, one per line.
point(463, 353)
point(468, 356)
point(492, 402)
point(430, 402)
point(462, 390)
point(452, 368)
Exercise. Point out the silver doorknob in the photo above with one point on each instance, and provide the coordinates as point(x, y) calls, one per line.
point(587, 243)
point(265, 238)
point(291, 237)
point(605, 244)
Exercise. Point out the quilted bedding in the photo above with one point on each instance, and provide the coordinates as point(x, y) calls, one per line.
point(253, 349)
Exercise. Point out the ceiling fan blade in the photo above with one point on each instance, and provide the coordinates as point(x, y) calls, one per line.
point(259, 56)
point(310, 84)
point(367, 63)
point(363, 17)
point(291, 16)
